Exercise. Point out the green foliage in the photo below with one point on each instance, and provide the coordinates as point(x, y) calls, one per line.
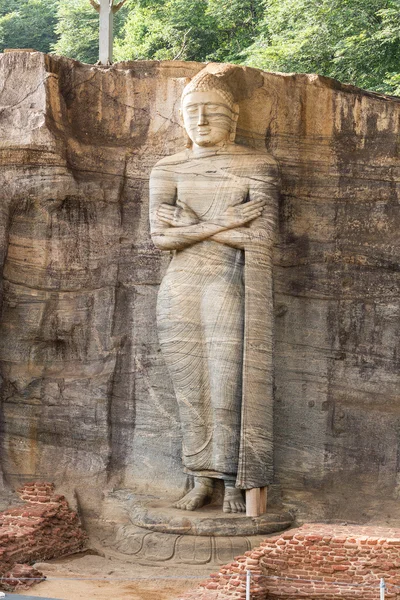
point(237, 24)
point(167, 30)
point(28, 24)
point(78, 30)
point(189, 29)
point(355, 41)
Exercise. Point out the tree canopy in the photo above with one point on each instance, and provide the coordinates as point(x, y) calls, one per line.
point(28, 24)
point(355, 41)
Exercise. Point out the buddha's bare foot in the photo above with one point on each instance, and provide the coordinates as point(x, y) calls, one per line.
point(198, 496)
point(233, 500)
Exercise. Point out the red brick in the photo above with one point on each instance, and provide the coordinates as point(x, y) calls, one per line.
point(212, 586)
point(37, 532)
point(353, 554)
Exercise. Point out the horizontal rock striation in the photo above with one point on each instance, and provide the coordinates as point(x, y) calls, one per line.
point(86, 400)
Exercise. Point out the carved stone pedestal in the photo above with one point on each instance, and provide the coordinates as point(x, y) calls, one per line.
point(147, 529)
point(208, 521)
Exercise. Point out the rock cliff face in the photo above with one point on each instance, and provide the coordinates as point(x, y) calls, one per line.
point(86, 398)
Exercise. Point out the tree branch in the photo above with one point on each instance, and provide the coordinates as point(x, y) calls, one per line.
point(95, 5)
point(116, 7)
point(183, 44)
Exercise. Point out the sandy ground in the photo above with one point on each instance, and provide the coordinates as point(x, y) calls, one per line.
point(108, 579)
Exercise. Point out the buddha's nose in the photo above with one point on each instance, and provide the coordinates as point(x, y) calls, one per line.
point(202, 120)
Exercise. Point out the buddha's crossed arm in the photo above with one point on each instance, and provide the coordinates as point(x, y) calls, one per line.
point(175, 226)
point(263, 187)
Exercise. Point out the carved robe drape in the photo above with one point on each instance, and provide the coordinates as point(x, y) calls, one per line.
point(215, 320)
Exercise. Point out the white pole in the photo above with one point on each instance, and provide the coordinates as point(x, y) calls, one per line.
point(106, 32)
point(382, 589)
point(248, 581)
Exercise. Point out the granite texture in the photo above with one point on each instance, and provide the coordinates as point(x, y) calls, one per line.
point(86, 398)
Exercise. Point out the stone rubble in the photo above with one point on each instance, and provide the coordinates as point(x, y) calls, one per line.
point(43, 527)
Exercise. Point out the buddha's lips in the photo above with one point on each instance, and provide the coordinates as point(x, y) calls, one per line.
point(203, 131)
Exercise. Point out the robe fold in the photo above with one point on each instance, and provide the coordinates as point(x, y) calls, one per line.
point(214, 317)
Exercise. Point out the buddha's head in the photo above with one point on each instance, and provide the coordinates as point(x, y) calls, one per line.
point(209, 111)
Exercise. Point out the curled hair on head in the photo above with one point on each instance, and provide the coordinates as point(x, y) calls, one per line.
point(207, 82)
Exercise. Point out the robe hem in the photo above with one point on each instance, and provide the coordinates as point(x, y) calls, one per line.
point(212, 474)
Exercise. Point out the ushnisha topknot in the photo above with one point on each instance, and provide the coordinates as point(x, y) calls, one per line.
point(207, 82)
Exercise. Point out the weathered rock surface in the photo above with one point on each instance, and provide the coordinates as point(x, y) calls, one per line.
point(86, 398)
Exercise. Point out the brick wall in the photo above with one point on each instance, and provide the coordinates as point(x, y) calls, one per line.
point(42, 527)
point(321, 562)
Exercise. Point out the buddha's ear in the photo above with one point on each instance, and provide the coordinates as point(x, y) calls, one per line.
point(235, 111)
point(188, 141)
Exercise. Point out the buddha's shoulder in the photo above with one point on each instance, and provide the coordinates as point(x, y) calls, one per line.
point(250, 162)
point(236, 155)
point(254, 155)
point(171, 160)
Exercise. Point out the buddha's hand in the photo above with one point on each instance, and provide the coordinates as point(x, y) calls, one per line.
point(179, 215)
point(239, 214)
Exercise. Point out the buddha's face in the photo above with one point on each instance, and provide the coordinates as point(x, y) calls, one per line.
point(207, 118)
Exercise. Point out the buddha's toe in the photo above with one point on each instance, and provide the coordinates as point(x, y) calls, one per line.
point(193, 500)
